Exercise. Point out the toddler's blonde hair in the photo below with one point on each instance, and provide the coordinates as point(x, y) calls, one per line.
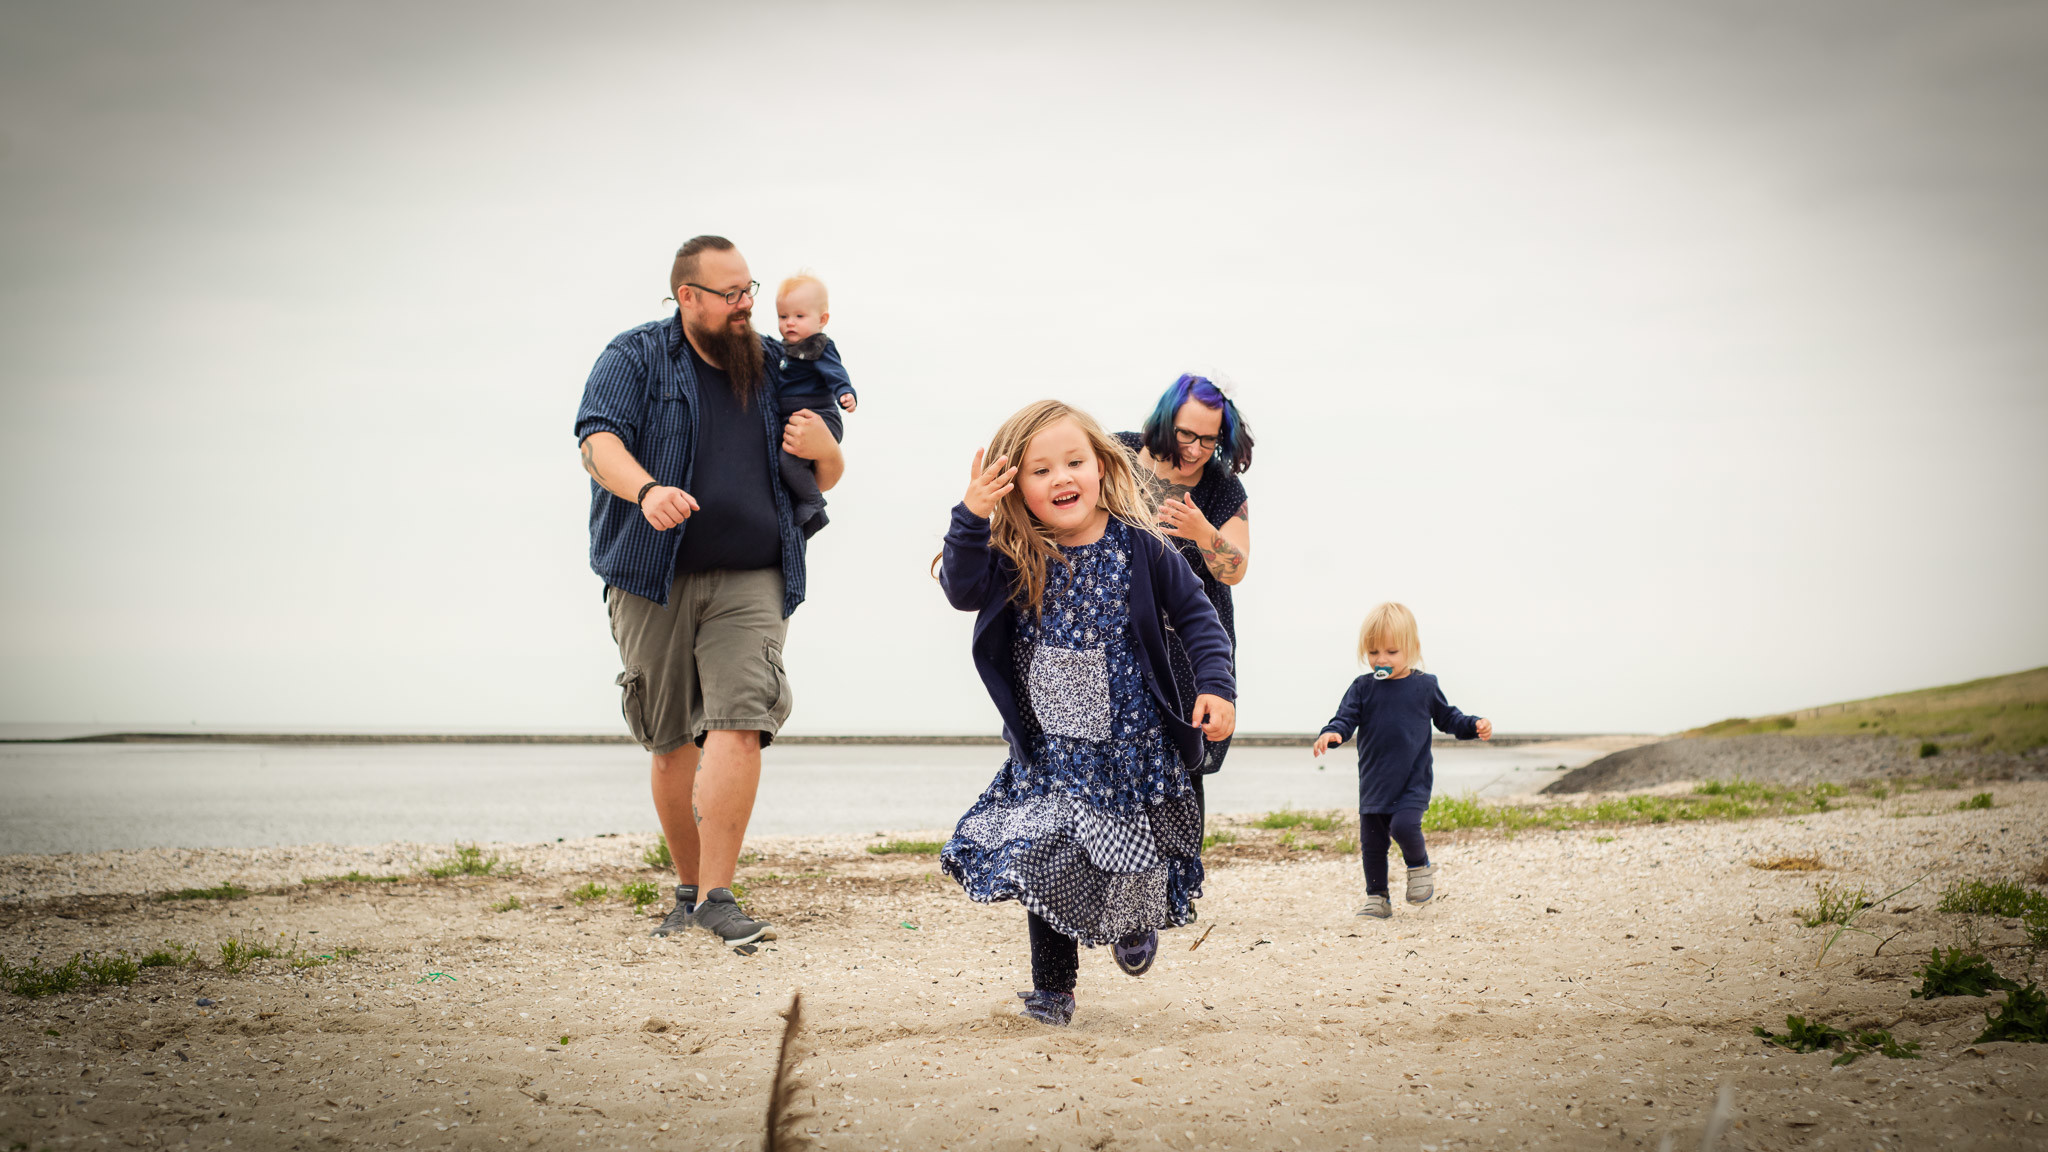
point(801, 279)
point(1395, 624)
point(1027, 543)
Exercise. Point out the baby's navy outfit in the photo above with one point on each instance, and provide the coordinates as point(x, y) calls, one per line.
point(809, 375)
point(1395, 769)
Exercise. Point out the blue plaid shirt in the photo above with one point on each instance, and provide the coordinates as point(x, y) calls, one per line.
point(644, 391)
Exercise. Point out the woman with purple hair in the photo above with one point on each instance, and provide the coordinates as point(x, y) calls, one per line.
point(1191, 451)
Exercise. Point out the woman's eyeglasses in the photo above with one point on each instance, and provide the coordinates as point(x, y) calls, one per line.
point(1190, 439)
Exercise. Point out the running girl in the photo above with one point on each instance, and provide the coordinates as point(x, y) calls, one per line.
point(1392, 710)
point(1092, 823)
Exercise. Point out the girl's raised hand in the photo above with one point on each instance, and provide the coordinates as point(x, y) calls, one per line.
point(1325, 742)
point(1215, 716)
point(987, 486)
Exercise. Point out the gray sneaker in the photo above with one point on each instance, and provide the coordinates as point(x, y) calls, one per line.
point(721, 915)
point(1421, 884)
point(684, 917)
point(1378, 907)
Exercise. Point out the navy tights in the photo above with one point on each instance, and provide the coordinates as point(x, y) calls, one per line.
point(1374, 831)
point(1055, 958)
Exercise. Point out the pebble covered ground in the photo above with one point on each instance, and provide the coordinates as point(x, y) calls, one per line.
point(1592, 988)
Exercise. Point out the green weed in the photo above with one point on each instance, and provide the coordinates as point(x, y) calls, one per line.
point(353, 878)
point(1879, 791)
point(658, 856)
point(236, 954)
point(1980, 800)
point(589, 892)
point(640, 893)
point(1215, 838)
point(907, 848)
point(1288, 818)
point(508, 904)
point(2023, 1017)
point(322, 959)
point(1803, 1036)
point(221, 891)
point(36, 978)
point(1977, 898)
point(1836, 904)
point(118, 968)
point(469, 860)
point(1959, 973)
point(1292, 843)
point(169, 956)
point(1346, 845)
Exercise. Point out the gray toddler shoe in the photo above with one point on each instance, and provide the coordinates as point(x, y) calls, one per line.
point(1378, 907)
point(1421, 884)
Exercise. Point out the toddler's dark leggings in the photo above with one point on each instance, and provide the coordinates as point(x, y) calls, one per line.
point(1375, 829)
point(1056, 958)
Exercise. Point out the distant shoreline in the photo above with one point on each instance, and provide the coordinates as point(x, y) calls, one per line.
point(1249, 739)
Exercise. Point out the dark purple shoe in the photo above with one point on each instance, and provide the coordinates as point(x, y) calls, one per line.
point(1054, 1008)
point(1134, 953)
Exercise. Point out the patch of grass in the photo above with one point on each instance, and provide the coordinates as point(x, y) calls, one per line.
point(907, 848)
point(508, 904)
point(36, 979)
point(1347, 845)
point(1959, 973)
point(1215, 838)
point(2000, 713)
point(589, 892)
point(354, 878)
point(1807, 863)
point(1293, 843)
point(171, 955)
point(322, 959)
point(1713, 800)
point(640, 893)
point(469, 860)
point(221, 891)
point(1836, 904)
point(2002, 898)
point(237, 954)
point(658, 856)
point(1929, 748)
point(2023, 1017)
point(1800, 1035)
point(1289, 818)
point(117, 968)
point(1879, 791)
point(564, 1041)
point(1980, 800)
point(1603, 839)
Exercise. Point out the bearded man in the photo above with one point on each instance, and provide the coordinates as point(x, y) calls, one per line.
point(691, 531)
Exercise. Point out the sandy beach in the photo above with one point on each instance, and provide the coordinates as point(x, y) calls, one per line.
point(1593, 988)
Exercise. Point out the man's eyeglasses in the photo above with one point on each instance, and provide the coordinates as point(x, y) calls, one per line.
point(753, 288)
point(1190, 439)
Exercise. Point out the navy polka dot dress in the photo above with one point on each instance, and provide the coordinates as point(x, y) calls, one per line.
point(1100, 834)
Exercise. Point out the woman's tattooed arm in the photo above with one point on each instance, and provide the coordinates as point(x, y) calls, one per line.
point(1222, 557)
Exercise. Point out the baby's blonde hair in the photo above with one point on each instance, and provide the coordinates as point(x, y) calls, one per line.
point(1394, 624)
point(802, 278)
point(1029, 544)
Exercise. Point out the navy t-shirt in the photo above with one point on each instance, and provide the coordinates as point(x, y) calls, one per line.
point(1392, 719)
point(734, 527)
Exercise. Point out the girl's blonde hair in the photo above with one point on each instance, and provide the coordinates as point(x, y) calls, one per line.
point(1395, 624)
point(1028, 544)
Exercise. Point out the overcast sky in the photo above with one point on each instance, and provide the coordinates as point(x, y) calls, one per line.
point(1673, 361)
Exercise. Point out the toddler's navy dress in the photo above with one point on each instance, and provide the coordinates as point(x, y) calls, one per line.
point(1100, 835)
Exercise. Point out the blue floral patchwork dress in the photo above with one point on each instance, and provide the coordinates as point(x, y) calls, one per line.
point(1101, 834)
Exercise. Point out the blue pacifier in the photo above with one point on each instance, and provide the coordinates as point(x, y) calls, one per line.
point(1382, 671)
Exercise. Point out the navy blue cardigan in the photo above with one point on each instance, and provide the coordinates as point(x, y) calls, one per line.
point(1164, 594)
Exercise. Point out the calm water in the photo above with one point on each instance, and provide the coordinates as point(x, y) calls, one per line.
point(89, 798)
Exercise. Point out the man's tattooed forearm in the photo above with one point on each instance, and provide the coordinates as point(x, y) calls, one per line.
point(590, 463)
point(1223, 558)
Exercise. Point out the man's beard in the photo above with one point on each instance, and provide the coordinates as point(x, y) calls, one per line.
point(734, 347)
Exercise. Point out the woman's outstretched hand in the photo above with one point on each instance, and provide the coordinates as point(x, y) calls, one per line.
point(1181, 518)
point(1215, 716)
point(1325, 742)
point(987, 486)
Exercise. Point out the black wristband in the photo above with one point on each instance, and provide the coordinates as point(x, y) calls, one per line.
point(643, 490)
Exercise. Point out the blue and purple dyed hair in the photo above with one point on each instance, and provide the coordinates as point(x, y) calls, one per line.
point(1233, 438)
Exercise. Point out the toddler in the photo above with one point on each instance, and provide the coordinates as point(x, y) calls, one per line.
point(1092, 823)
point(1391, 710)
point(810, 376)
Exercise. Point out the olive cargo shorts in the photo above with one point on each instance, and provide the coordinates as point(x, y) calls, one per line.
point(711, 660)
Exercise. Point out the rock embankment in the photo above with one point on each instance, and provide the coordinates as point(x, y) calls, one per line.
point(1790, 759)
